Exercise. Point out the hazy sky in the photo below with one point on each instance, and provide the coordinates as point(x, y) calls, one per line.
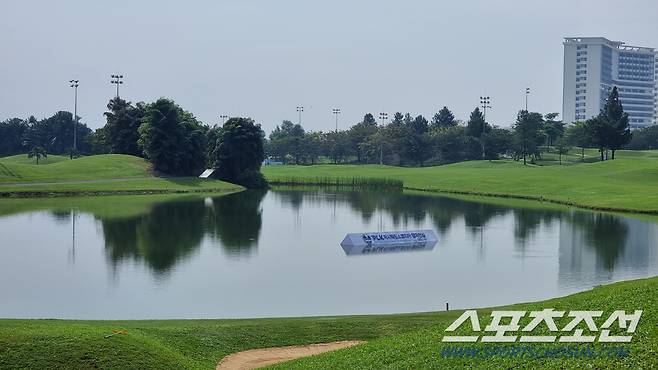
point(263, 58)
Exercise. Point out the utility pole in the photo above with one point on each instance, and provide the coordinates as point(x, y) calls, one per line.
point(74, 85)
point(117, 80)
point(300, 109)
point(382, 116)
point(527, 92)
point(336, 112)
point(485, 102)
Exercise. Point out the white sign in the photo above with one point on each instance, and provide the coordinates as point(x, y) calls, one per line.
point(207, 173)
point(386, 242)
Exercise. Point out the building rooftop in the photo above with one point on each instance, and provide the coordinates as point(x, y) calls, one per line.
point(602, 40)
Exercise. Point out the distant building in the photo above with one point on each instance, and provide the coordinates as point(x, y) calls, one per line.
point(593, 65)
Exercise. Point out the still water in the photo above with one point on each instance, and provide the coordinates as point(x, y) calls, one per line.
point(277, 253)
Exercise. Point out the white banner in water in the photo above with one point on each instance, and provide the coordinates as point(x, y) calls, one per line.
point(390, 241)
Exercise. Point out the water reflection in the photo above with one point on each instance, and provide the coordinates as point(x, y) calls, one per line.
point(172, 231)
point(277, 253)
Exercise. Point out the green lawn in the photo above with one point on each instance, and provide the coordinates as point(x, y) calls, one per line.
point(14, 169)
point(94, 175)
point(23, 159)
point(628, 183)
point(407, 341)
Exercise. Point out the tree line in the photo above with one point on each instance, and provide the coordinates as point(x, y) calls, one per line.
point(176, 143)
point(169, 137)
point(414, 141)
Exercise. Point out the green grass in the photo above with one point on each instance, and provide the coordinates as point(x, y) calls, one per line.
point(627, 184)
point(21, 159)
point(94, 175)
point(406, 341)
point(96, 167)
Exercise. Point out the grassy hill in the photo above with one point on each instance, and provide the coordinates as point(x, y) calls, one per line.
point(23, 159)
point(107, 166)
point(407, 341)
point(94, 175)
point(628, 183)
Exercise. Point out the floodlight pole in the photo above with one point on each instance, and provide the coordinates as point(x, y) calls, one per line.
point(74, 85)
point(485, 102)
point(117, 80)
point(527, 92)
point(382, 116)
point(336, 112)
point(300, 109)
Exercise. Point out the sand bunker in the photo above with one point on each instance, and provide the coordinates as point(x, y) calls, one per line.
point(255, 358)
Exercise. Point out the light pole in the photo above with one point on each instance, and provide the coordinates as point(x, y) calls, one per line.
point(382, 116)
point(223, 118)
point(485, 102)
point(527, 92)
point(117, 80)
point(300, 110)
point(336, 112)
point(74, 85)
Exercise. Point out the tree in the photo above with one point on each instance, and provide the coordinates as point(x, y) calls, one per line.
point(599, 131)
point(418, 125)
point(172, 139)
point(37, 152)
point(644, 139)
point(617, 121)
point(553, 129)
point(398, 119)
point(443, 119)
point(476, 125)
point(577, 135)
point(288, 140)
point(527, 134)
point(360, 132)
point(239, 153)
point(562, 146)
point(122, 127)
point(498, 141)
point(12, 136)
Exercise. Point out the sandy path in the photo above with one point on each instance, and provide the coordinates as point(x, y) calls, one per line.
point(255, 358)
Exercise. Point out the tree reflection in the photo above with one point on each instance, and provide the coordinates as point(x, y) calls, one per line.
point(171, 231)
point(236, 220)
point(607, 234)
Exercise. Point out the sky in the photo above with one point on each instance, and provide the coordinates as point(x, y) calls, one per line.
point(263, 58)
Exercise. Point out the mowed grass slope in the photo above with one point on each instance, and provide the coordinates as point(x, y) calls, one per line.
point(97, 167)
point(407, 341)
point(94, 175)
point(628, 183)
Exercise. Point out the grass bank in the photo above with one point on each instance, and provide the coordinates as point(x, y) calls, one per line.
point(410, 341)
point(627, 184)
point(94, 175)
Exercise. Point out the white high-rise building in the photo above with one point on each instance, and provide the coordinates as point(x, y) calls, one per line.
point(593, 65)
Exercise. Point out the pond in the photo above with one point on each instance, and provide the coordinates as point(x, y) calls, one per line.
point(278, 253)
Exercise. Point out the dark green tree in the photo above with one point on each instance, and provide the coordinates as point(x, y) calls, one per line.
point(527, 134)
point(619, 129)
point(553, 129)
point(122, 127)
point(577, 134)
point(443, 119)
point(476, 125)
point(239, 153)
point(172, 139)
point(37, 152)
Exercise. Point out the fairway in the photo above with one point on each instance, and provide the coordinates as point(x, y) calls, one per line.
point(629, 183)
point(93, 175)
